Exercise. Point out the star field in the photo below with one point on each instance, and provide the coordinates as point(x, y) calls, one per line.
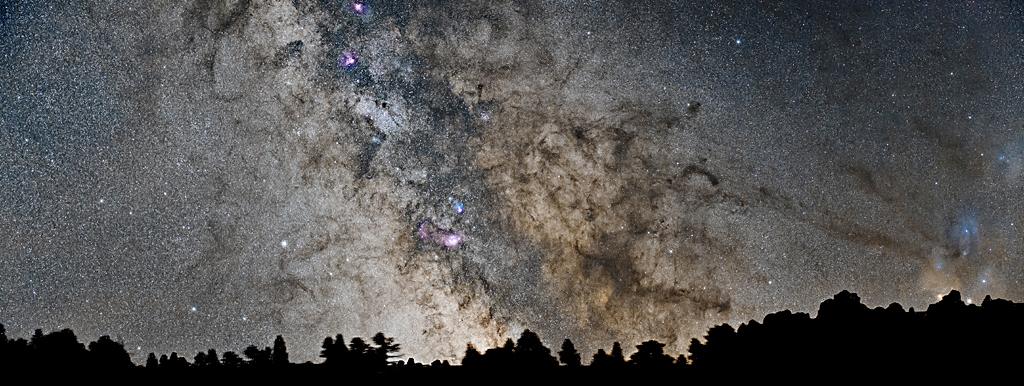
point(209, 174)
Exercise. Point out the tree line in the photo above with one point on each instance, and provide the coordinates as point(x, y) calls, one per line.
point(844, 335)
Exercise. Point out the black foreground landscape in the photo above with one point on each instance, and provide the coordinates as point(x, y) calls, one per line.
point(845, 336)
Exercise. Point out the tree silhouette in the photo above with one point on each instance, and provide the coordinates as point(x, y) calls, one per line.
point(199, 360)
point(358, 347)
point(473, 358)
point(718, 343)
point(846, 337)
point(279, 355)
point(61, 348)
point(252, 353)
point(206, 359)
point(616, 359)
point(258, 358)
point(530, 352)
point(681, 361)
point(212, 360)
point(106, 353)
point(568, 355)
point(385, 349)
point(601, 359)
point(231, 360)
point(651, 355)
point(500, 356)
point(334, 351)
point(175, 362)
point(37, 339)
point(359, 353)
point(151, 362)
point(609, 362)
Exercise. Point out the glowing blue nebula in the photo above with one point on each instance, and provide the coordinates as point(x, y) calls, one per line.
point(966, 234)
point(1010, 162)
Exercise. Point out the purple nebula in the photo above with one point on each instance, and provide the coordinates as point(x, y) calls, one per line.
point(348, 60)
point(451, 240)
point(425, 230)
point(447, 238)
point(360, 8)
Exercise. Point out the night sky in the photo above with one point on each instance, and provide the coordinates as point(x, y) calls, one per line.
point(184, 175)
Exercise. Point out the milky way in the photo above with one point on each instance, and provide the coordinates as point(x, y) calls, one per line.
point(192, 174)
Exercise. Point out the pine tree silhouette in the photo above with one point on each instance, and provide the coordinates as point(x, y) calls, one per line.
point(231, 360)
point(530, 352)
point(108, 354)
point(212, 360)
point(258, 358)
point(473, 358)
point(501, 356)
point(385, 349)
point(616, 359)
point(651, 355)
point(601, 360)
point(199, 360)
point(359, 353)
point(334, 351)
point(846, 337)
point(279, 356)
point(568, 355)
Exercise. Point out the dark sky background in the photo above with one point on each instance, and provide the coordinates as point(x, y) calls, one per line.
point(184, 175)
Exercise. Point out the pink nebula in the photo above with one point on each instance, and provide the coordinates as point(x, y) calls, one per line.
point(348, 60)
point(359, 8)
point(447, 238)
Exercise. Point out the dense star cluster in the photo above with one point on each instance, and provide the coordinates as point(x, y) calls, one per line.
point(192, 174)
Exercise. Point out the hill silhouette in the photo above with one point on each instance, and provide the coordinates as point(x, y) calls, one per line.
point(845, 337)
